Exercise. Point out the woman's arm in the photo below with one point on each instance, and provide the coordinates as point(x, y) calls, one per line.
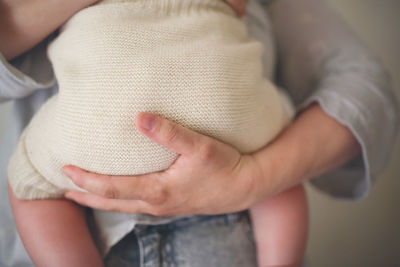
point(23, 24)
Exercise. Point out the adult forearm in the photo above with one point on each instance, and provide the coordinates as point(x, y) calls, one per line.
point(313, 144)
point(23, 23)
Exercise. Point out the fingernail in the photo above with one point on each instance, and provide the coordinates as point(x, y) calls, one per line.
point(67, 171)
point(148, 121)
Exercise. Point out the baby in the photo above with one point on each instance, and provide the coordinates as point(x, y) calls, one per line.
point(191, 61)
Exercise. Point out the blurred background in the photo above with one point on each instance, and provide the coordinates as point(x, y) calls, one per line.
point(365, 233)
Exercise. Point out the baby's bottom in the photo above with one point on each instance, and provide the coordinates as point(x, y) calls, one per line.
point(55, 233)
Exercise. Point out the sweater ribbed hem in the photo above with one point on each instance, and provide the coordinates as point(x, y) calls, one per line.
point(25, 181)
point(176, 6)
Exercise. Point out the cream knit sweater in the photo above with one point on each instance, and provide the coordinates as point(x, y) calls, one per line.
point(190, 61)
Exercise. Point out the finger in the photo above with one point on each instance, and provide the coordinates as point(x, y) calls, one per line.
point(116, 205)
point(240, 6)
point(169, 134)
point(141, 187)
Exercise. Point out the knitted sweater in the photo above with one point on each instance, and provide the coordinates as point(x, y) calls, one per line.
point(190, 61)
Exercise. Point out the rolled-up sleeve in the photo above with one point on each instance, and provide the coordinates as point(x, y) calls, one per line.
point(29, 72)
point(321, 60)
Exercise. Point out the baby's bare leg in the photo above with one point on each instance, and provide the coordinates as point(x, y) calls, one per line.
point(55, 233)
point(280, 226)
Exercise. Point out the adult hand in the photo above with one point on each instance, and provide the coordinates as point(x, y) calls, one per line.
point(205, 173)
point(23, 24)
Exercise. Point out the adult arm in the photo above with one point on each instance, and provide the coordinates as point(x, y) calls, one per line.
point(322, 60)
point(23, 24)
point(27, 25)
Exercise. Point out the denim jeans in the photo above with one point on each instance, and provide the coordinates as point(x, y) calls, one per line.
point(198, 241)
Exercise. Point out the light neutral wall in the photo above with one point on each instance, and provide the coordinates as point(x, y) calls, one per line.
point(365, 233)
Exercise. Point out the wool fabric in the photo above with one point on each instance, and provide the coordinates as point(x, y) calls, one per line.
point(191, 61)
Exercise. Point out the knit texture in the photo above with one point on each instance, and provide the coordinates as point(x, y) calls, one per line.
point(190, 61)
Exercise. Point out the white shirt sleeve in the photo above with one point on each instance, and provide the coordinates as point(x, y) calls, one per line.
point(27, 73)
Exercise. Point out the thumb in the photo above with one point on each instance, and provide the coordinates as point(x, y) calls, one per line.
point(169, 134)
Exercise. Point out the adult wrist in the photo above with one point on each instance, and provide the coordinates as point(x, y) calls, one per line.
point(292, 157)
point(313, 144)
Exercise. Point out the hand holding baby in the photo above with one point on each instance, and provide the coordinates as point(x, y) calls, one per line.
point(204, 162)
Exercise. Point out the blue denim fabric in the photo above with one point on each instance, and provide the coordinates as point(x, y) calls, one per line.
point(198, 241)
